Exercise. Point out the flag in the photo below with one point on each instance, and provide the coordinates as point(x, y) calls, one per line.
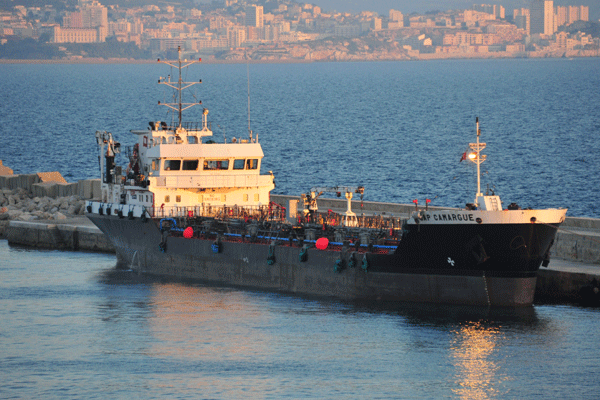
point(464, 156)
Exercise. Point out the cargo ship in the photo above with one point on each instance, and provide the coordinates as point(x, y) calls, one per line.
point(187, 207)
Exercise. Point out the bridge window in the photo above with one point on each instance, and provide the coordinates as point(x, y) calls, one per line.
point(172, 165)
point(211, 165)
point(252, 164)
point(190, 165)
point(239, 164)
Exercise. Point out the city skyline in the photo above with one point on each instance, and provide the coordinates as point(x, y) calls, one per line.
point(408, 6)
point(286, 30)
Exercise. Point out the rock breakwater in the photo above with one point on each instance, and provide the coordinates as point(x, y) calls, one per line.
point(20, 205)
point(42, 197)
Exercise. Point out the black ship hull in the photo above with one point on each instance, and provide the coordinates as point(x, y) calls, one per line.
point(493, 264)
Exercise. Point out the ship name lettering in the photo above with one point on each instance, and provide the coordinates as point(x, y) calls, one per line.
point(453, 217)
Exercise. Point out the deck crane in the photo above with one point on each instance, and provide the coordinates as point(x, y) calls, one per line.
point(310, 201)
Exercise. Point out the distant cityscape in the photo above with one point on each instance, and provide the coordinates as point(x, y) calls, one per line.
point(284, 30)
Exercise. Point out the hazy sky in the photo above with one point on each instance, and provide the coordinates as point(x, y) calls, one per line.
point(420, 6)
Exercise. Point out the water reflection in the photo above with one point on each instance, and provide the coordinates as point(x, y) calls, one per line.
point(447, 317)
point(190, 322)
point(181, 320)
point(475, 339)
point(177, 299)
point(477, 371)
point(207, 333)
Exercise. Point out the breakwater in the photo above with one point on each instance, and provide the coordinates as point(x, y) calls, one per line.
point(45, 196)
point(68, 234)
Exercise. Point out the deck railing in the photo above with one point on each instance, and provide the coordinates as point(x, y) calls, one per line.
point(259, 213)
point(276, 212)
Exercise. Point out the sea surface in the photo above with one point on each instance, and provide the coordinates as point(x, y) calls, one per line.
point(73, 326)
point(398, 128)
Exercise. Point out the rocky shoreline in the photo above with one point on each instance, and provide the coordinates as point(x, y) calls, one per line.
point(21, 205)
point(44, 196)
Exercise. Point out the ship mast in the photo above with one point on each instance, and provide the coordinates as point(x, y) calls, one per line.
point(477, 157)
point(180, 106)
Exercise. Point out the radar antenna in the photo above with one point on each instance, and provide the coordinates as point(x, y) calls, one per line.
point(179, 86)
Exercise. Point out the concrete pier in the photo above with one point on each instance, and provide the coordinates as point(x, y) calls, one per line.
point(70, 234)
point(568, 281)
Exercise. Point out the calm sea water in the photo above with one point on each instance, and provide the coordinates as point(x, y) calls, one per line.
point(75, 327)
point(72, 326)
point(398, 128)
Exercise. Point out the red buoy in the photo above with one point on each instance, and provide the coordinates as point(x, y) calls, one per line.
point(322, 243)
point(188, 232)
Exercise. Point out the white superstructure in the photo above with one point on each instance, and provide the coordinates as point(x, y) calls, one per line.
point(180, 169)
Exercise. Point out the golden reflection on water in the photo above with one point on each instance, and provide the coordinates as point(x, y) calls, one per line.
point(188, 322)
point(476, 369)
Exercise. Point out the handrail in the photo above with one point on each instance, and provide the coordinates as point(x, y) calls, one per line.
point(265, 213)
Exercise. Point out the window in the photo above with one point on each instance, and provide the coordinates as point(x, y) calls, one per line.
point(178, 198)
point(256, 197)
point(210, 165)
point(246, 197)
point(190, 165)
point(167, 199)
point(155, 164)
point(239, 164)
point(192, 139)
point(172, 165)
point(251, 164)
